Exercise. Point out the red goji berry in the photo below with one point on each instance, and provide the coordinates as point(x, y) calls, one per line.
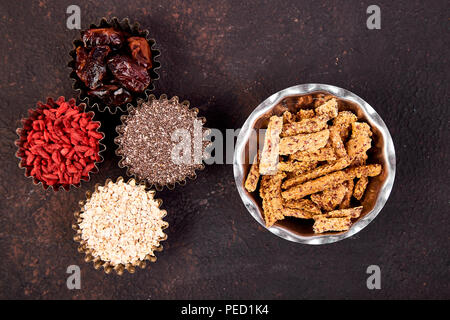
point(76, 179)
point(87, 169)
point(58, 122)
point(50, 176)
point(65, 139)
point(56, 157)
point(74, 124)
point(89, 152)
point(36, 135)
point(72, 112)
point(30, 159)
point(60, 100)
point(37, 161)
point(41, 124)
point(81, 148)
point(92, 126)
point(62, 108)
point(95, 135)
point(35, 126)
point(78, 165)
point(43, 154)
point(61, 145)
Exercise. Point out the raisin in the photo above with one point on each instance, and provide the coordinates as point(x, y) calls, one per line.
point(82, 55)
point(103, 36)
point(91, 67)
point(129, 73)
point(140, 51)
point(111, 95)
point(99, 53)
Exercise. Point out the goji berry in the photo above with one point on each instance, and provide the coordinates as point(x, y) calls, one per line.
point(61, 145)
point(95, 135)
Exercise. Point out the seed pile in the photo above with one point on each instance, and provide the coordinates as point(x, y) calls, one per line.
point(146, 143)
point(61, 143)
point(309, 164)
point(122, 223)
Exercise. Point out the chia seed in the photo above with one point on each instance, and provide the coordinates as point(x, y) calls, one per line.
point(146, 143)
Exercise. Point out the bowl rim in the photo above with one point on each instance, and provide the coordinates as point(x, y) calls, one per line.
point(372, 116)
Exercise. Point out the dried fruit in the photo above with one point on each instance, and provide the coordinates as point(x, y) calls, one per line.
point(91, 67)
point(60, 143)
point(103, 36)
point(113, 65)
point(140, 51)
point(130, 74)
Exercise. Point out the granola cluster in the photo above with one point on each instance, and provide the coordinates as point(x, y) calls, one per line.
point(313, 165)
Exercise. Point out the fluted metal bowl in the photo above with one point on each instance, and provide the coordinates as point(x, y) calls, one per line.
point(382, 151)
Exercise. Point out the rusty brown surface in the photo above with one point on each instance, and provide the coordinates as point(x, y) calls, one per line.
point(226, 57)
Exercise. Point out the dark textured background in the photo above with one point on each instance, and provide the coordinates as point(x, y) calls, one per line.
point(226, 57)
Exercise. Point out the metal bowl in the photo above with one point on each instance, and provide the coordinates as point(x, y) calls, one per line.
point(382, 151)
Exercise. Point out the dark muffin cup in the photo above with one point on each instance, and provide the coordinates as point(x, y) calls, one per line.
point(134, 30)
point(22, 132)
point(130, 170)
point(97, 261)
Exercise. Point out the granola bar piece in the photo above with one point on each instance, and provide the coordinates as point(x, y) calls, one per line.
point(344, 121)
point(327, 110)
point(304, 142)
point(317, 172)
point(297, 213)
point(348, 194)
point(270, 192)
point(360, 140)
point(305, 114)
point(329, 181)
point(346, 213)
point(329, 199)
point(360, 159)
point(324, 224)
point(370, 170)
point(288, 117)
point(269, 218)
point(309, 166)
point(323, 154)
point(360, 187)
point(269, 156)
point(322, 98)
point(304, 126)
point(303, 204)
point(304, 101)
point(297, 166)
point(253, 175)
point(336, 142)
